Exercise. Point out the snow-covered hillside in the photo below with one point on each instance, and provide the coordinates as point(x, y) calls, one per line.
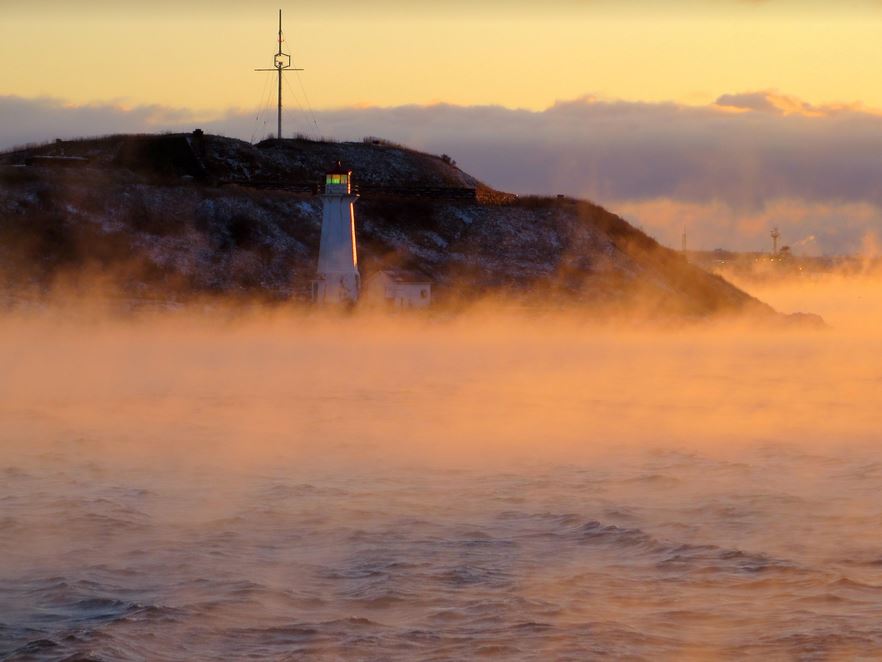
point(187, 214)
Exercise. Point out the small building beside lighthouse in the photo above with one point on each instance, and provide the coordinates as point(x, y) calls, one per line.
point(337, 279)
point(398, 289)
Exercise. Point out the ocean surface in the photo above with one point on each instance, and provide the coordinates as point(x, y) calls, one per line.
point(193, 491)
point(665, 556)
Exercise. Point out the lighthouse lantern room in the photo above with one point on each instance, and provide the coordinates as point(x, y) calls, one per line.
point(337, 278)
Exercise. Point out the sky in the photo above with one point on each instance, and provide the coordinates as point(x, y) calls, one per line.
point(720, 115)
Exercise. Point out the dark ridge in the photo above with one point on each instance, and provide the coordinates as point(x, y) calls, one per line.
point(175, 216)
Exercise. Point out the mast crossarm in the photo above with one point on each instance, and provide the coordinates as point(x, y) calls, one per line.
point(281, 66)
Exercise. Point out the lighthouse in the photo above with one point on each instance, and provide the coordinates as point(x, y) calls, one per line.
point(337, 280)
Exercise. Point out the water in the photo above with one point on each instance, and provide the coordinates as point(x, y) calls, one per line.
point(175, 490)
point(662, 555)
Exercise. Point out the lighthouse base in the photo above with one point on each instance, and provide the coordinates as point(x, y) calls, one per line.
point(336, 288)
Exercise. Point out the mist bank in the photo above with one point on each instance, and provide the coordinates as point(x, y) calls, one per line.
point(226, 389)
point(271, 482)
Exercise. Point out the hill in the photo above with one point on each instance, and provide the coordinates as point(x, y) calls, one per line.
point(180, 215)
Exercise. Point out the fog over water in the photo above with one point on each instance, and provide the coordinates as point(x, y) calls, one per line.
point(280, 485)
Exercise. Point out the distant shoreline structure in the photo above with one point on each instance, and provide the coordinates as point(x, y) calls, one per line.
point(764, 266)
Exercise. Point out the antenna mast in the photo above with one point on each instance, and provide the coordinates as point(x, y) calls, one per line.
point(281, 62)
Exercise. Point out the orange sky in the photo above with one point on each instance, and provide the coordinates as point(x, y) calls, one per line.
point(199, 54)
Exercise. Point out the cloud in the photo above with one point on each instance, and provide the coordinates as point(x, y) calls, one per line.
point(767, 102)
point(782, 104)
point(758, 155)
point(37, 120)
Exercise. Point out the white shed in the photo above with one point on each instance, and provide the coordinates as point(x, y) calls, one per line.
point(398, 288)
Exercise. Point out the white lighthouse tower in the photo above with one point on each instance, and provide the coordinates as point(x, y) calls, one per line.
point(337, 279)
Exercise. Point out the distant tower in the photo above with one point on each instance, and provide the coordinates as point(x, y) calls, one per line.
point(683, 241)
point(281, 62)
point(775, 236)
point(337, 279)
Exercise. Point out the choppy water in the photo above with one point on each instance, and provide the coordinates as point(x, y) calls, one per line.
point(657, 555)
point(224, 495)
